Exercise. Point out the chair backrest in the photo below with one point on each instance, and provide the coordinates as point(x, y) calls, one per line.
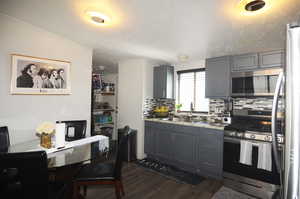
point(79, 127)
point(32, 170)
point(120, 153)
point(4, 139)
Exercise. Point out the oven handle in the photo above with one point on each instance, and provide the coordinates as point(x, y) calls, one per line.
point(232, 140)
point(274, 121)
point(254, 142)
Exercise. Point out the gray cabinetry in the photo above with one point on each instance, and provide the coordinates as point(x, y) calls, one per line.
point(193, 149)
point(162, 145)
point(210, 153)
point(273, 58)
point(149, 139)
point(261, 60)
point(217, 79)
point(245, 62)
point(163, 82)
point(183, 150)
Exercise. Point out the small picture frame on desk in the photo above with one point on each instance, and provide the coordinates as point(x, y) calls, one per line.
point(40, 76)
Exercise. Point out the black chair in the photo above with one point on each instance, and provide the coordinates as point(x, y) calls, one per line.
point(79, 129)
point(6, 175)
point(4, 139)
point(104, 173)
point(33, 174)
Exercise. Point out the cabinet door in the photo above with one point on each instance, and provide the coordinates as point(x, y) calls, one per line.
point(245, 62)
point(149, 140)
point(217, 77)
point(183, 153)
point(159, 82)
point(270, 59)
point(169, 92)
point(163, 146)
point(210, 153)
point(163, 82)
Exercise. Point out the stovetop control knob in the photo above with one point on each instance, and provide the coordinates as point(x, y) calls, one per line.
point(268, 138)
point(252, 136)
point(239, 134)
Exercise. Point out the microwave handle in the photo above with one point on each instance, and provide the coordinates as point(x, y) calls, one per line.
point(274, 121)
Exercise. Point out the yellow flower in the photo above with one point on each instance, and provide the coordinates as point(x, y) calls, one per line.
point(46, 127)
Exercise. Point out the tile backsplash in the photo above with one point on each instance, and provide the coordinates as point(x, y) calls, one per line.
point(218, 108)
point(258, 104)
point(150, 104)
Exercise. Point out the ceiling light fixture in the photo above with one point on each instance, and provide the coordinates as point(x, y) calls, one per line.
point(183, 58)
point(97, 18)
point(253, 7)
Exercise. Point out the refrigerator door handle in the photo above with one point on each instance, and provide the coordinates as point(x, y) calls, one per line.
point(274, 121)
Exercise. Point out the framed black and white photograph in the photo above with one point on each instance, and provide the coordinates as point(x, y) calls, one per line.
point(35, 76)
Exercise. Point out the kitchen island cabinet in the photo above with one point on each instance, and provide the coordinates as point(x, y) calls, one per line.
point(194, 149)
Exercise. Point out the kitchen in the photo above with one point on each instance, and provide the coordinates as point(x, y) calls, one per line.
point(199, 81)
point(235, 136)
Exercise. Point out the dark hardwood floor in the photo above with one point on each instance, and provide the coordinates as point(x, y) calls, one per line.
point(140, 183)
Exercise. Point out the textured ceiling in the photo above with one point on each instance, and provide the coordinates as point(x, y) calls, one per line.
point(160, 29)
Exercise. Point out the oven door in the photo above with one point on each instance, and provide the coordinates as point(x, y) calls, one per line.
point(231, 163)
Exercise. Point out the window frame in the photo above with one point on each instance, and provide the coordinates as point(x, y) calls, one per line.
point(178, 80)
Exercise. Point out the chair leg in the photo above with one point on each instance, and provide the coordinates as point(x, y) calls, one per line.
point(75, 190)
point(84, 190)
point(122, 187)
point(117, 190)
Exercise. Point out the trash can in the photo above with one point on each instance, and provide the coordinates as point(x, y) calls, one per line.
point(130, 152)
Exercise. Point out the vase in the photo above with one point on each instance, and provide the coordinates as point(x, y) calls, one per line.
point(46, 141)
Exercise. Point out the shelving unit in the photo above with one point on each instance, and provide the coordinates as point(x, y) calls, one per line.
point(104, 107)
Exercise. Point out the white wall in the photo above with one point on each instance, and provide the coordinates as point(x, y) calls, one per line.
point(23, 113)
point(135, 83)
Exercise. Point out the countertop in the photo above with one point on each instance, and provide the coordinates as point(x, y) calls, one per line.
point(195, 124)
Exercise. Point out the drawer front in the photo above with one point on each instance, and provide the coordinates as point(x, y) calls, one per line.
point(187, 129)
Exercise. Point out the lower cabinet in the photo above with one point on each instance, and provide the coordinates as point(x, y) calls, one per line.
point(193, 149)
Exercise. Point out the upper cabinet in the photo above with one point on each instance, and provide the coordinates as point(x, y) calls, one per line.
point(271, 59)
point(245, 62)
point(256, 61)
point(163, 82)
point(217, 78)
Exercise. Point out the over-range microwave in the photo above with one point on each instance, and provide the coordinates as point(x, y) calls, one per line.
point(254, 83)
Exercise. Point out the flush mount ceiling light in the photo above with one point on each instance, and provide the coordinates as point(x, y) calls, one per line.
point(183, 58)
point(97, 18)
point(253, 7)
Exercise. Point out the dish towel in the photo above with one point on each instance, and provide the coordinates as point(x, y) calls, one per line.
point(264, 156)
point(246, 152)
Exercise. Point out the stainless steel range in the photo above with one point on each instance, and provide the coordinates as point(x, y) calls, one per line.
point(254, 127)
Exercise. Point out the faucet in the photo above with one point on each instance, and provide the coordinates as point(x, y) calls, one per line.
point(191, 108)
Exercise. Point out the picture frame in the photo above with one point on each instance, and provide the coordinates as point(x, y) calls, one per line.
point(39, 76)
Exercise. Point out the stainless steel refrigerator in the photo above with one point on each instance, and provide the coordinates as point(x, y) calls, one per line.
point(292, 114)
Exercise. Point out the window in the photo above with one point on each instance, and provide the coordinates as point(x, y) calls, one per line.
point(191, 89)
